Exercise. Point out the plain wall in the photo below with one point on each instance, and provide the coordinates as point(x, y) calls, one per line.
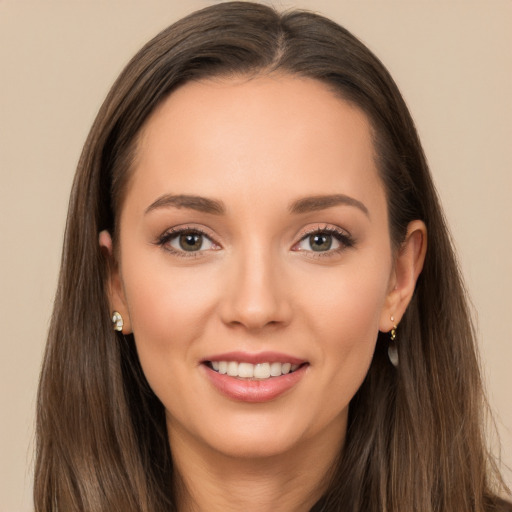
point(452, 61)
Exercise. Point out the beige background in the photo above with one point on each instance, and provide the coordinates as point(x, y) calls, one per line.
point(452, 61)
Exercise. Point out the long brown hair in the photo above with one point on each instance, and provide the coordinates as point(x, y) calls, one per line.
point(415, 434)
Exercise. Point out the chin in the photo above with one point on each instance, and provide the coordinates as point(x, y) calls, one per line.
point(263, 434)
point(255, 445)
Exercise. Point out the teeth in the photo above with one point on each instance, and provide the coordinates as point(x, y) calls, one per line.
point(262, 371)
point(253, 371)
point(233, 369)
point(276, 369)
point(245, 370)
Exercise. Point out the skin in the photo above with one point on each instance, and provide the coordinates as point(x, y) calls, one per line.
point(258, 145)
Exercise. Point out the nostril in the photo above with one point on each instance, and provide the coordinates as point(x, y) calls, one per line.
point(254, 296)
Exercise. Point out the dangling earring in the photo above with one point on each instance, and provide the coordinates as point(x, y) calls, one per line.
point(117, 320)
point(392, 349)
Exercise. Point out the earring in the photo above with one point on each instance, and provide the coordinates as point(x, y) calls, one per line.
point(117, 320)
point(392, 348)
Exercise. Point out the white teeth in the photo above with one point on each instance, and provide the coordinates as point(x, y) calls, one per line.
point(233, 369)
point(262, 371)
point(253, 371)
point(246, 370)
point(275, 369)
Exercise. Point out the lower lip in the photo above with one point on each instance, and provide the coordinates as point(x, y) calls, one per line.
point(254, 390)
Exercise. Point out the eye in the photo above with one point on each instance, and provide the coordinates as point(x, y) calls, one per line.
point(186, 241)
point(318, 242)
point(190, 242)
point(324, 240)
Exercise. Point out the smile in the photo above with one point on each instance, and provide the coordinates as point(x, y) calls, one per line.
point(257, 377)
point(259, 371)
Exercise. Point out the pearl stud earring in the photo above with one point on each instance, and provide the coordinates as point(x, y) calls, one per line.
point(117, 320)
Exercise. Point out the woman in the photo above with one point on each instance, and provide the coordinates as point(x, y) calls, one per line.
point(248, 316)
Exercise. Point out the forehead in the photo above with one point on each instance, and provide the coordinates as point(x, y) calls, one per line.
point(249, 136)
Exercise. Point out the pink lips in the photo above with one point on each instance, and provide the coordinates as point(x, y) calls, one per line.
point(254, 391)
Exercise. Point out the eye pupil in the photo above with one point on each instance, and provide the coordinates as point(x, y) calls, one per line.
point(320, 242)
point(191, 241)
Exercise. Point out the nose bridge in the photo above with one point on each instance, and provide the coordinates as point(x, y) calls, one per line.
point(255, 296)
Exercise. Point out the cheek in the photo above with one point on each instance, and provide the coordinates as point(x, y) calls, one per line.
point(344, 311)
point(168, 309)
point(349, 303)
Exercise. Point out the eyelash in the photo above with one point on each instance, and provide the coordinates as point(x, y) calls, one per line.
point(345, 240)
point(170, 234)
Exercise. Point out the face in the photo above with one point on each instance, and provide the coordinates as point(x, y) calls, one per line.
point(255, 265)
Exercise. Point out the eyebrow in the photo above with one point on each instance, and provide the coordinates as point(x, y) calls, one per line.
point(314, 203)
point(215, 207)
point(201, 204)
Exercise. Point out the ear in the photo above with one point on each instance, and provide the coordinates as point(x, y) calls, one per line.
point(407, 268)
point(115, 290)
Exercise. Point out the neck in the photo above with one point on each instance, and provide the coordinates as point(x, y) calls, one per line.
point(211, 481)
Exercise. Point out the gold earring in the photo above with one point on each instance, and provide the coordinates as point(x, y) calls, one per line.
point(117, 320)
point(392, 348)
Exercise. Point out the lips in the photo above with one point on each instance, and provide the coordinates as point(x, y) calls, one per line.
point(254, 377)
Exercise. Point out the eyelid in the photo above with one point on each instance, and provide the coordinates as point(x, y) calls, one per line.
point(175, 231)
point(323, 228)
point(343, 237)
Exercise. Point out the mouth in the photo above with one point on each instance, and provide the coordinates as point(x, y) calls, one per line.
point(249, 371)
point(257, 377)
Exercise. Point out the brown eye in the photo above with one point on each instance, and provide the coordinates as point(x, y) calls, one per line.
point(189, 241)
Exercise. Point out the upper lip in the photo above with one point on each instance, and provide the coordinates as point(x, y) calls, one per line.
point(255, 358)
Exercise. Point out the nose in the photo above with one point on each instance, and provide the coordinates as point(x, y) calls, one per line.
point(256, 294)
